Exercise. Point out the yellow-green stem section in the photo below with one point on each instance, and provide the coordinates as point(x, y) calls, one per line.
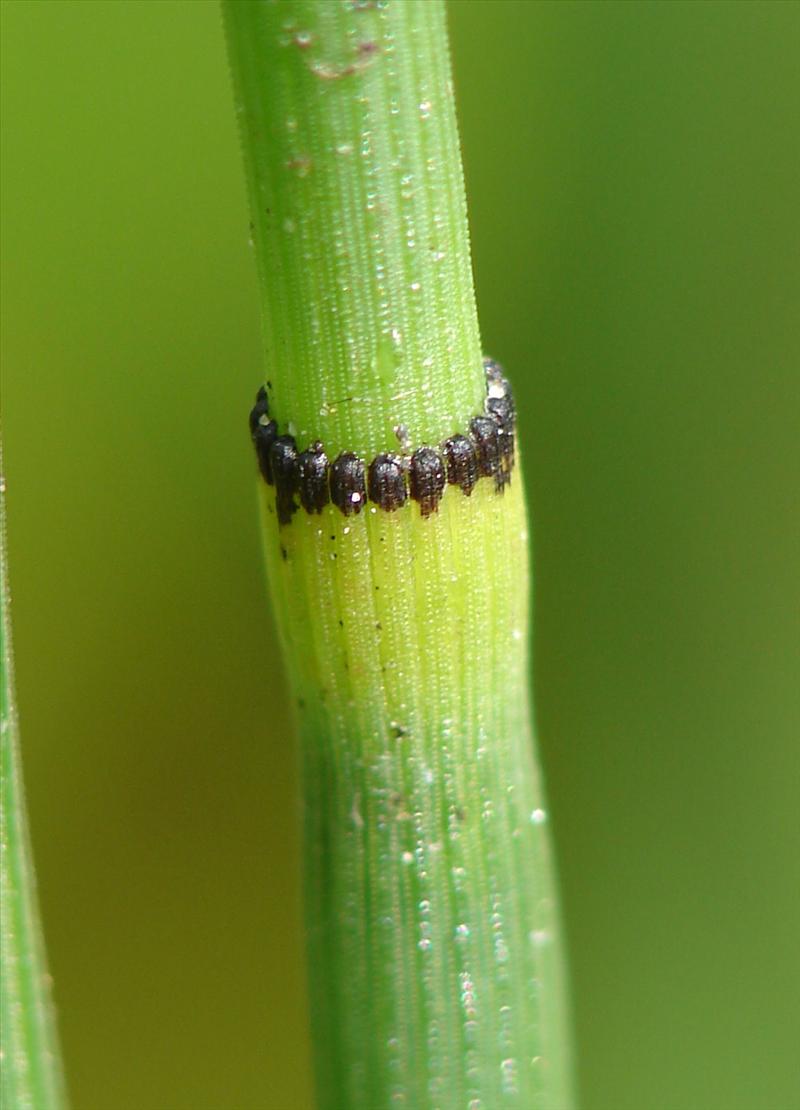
point(433, 955)
point(432, 932)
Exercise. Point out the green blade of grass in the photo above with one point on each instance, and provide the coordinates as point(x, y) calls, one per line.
point(434, 958)
point(30, 1067)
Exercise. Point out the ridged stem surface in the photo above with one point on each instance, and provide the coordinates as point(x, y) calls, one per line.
point(432, 932)
point(359, 219)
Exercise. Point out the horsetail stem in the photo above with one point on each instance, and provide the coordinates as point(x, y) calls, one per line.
point(397, 552)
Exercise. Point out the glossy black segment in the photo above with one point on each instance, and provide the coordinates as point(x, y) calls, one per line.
point(347, 482)
point(390, 479)
point(426, 475)
point(312, 471)
point(283, 460)
point(264, 436)
point(283, 457)
point(461, 461)
point(259, 413)
point(387, 482)
point(483, 432)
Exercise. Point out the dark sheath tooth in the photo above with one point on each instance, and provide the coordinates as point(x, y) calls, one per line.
point(483, 431)
point(312, 469)
point(461, 462)
point(426, 475)
point(501, 409)
point(387, 482)
point(347, 482)
point(259, 413)
point(390, 479)
point(283, 460)
point(263, 437)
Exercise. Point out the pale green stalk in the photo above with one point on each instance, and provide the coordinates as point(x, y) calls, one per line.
point(30, 1069)
point(432, 930)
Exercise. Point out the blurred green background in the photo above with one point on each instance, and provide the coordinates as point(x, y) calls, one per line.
point(633, 173)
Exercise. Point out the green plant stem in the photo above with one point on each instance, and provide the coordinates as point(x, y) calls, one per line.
point(359, 219)
point(432, 931)
point(30, 1068)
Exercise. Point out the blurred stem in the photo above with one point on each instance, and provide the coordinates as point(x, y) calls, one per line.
point(432, 933)
point(30, 1068)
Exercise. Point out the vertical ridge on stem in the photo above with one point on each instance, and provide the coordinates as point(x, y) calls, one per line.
point(432, 931)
